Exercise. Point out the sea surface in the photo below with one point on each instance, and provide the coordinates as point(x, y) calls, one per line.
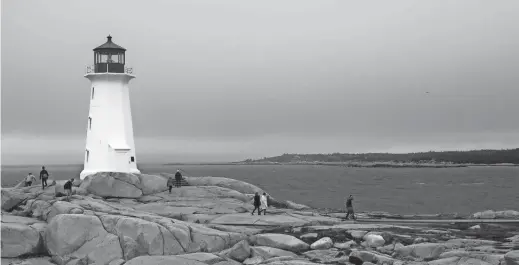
point(395, 190)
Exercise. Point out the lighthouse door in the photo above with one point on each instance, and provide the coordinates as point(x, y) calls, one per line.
point(121, 162)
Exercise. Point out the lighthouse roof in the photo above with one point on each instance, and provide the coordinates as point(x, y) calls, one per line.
point(109, 45)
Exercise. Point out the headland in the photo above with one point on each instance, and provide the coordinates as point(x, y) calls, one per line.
point(444, 159)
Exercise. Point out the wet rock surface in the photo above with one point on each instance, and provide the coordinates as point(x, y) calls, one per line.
point(121, 219)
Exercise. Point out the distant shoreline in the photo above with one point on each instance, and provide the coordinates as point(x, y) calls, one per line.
point(338, 164)
point(431, 159)
point(359, 165)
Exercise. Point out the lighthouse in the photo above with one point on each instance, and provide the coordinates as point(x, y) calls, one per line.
point(110, 145)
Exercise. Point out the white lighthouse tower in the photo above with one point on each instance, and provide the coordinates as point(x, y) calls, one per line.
point(109, 143)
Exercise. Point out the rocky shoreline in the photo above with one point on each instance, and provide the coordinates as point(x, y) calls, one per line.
point(115, 219)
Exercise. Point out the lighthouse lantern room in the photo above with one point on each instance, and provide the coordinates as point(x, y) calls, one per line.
point(110, 145)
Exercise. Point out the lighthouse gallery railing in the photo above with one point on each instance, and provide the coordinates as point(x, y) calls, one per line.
point(91, 69)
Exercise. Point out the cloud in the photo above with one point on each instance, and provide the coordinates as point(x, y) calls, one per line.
point(230, 79)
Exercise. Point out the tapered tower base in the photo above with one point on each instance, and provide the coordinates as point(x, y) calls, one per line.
point(86, 173)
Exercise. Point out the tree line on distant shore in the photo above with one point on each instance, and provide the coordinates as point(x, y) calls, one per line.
point(456, 157)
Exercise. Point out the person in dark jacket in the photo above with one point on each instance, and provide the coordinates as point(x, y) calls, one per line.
point(257, 204)
point(68, 188)
point(349, 207)
point(44, 175)
point(178, 179)
point(170, 183)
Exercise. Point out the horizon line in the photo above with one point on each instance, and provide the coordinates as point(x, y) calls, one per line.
point(236, 161)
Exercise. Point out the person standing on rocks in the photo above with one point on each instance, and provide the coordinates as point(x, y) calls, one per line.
point(178, 178)
point(29, 180)
point(170, 183)
point(264, 204)
point(44, 175)
point(257, 204)
point(349, 207)
point(68, 188)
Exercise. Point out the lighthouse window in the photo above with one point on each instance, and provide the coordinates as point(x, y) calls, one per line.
point(87, 155)
point(90, 123)
point(132, 159)
point(93, 89)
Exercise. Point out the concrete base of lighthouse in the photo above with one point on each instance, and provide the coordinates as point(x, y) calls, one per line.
point(87, 172)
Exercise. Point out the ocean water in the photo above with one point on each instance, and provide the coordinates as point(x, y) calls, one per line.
point(394, 190)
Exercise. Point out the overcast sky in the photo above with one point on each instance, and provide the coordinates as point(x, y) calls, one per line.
point(228, 80)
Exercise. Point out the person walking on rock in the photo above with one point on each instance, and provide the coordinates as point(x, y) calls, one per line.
point(257, 204)
point(178, 178)
point(68, 188)
point(170, 183)
point(349, 207)
point(44, 175)
point(264, 204)
point(29, 180)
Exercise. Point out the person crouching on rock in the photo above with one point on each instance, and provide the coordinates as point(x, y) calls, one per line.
point(68, 188)
point(178, 178)
point(170, 183)
point(29, 180)
point(264, 205)
point(257, 204)
point(349, 207)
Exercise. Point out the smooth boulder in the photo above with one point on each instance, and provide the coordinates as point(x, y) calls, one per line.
point(253, 260)
point(61, 207)
point(280, 241)
point(357, 234)
point(208, 258)
point(20, 239)
point(13, 197)
point(426, 251)
point(240, 251)
point(123, 185)
point(163, 260)
point(296, 206)
point(28, 261)
point(345, 245)
point(270, 252)
point(367, 256)
point(445, 261)
point(310, 236)
point(151, 184)
point(232, 184)
point(327, 256)
point(111, 184)
point(240, 186)
point(471, 261)
point(373, 240)
point(323, 243)
point(70, 237)
point(512, 257)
